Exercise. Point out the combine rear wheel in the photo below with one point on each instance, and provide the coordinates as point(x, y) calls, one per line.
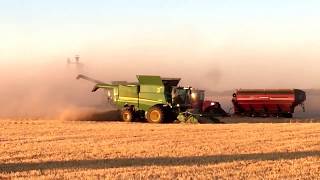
point(155, 115)
point(126, 115)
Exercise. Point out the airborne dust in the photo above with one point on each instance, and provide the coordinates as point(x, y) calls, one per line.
point(50, 90)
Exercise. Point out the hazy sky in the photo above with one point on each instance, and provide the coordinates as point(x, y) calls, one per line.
point(229, 43)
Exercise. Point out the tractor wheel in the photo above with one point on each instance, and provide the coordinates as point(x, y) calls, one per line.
point(155, 115)
point(126, 115)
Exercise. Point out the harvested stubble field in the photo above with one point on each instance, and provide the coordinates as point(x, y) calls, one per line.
point(115, 150)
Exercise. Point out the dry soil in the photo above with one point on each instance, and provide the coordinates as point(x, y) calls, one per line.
point(116, 150)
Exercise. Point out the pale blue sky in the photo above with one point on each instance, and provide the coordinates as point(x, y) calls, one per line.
point(85, 11)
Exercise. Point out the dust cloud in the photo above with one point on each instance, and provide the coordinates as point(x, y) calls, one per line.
point(89, 114)
point(48, 90)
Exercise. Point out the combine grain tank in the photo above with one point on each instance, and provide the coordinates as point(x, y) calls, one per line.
point(267, 102)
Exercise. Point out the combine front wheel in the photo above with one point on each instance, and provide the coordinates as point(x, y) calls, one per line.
point(155, 115)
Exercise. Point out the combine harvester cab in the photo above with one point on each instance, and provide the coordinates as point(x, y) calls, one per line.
point(267, 102)
point(158, 100)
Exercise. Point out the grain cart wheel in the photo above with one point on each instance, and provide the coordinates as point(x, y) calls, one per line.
point(126, 115)
point(155, 115)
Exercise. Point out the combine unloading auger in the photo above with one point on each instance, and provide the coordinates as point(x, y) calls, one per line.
point(81, 76)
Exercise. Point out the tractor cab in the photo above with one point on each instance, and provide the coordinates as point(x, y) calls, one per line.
point(205, 107)
point(197, 100)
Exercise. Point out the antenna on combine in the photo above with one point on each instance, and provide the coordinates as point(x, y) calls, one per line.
point(77, 57)
point(76, 62)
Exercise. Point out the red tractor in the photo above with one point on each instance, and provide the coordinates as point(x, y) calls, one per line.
point(201, 108)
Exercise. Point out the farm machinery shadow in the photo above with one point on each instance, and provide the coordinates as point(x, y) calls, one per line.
point(102, 116)
point(115, 116)
point(153, 161)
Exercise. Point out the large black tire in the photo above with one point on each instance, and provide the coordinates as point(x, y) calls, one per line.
point(155, 114)
point(170, 116)
point(127, 115)
point(288, 115)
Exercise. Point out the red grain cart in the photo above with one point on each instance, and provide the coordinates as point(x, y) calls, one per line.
point(267, 102)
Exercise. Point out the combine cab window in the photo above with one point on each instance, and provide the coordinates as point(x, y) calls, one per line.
point(201, 96)
point(181, 96)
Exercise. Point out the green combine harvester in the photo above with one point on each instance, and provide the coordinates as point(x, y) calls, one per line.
point(157, 100)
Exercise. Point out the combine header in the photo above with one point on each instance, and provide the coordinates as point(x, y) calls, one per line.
point(158, 99)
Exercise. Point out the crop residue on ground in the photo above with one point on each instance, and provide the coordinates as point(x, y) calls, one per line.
point(75, 149)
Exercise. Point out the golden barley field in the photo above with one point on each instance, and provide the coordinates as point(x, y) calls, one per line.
point(53, 149)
